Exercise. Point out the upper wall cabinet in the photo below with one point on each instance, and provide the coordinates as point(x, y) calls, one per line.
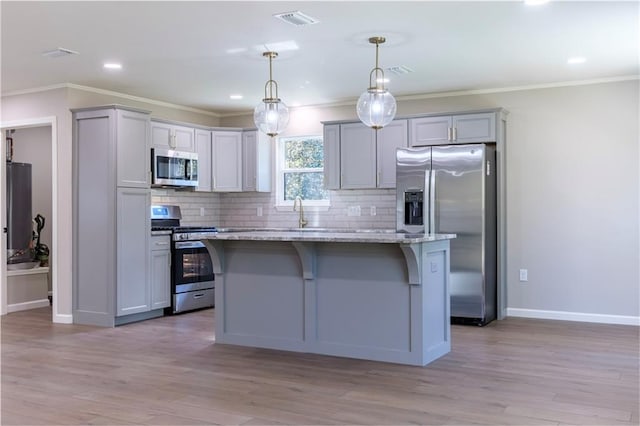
point(389, 139)
point(256, 161)
point(449, 129)
point(357, 157)
point(203, 149)
point(172, 136)
point(226, 152)
point(132, 149)
point(331, 142)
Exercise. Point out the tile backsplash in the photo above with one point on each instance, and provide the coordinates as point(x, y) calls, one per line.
point(241, 209)
point(198, 208)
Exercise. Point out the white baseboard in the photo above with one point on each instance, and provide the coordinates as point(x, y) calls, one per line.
point(33, 304)
point(573, 316)
point(63, 319)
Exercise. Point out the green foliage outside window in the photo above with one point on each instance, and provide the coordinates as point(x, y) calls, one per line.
point(303, 154)
point(302, 171)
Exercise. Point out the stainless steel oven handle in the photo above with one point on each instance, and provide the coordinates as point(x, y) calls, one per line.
point(189, 244)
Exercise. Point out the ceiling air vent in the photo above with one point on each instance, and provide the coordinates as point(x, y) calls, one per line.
point(399, 70)
point(296, 18)
point(58, 53)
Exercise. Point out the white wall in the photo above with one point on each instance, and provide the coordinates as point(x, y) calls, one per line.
point(572, 191)
point(53, 103)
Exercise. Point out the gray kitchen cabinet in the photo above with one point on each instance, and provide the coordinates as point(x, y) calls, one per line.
point(203, 149)
point(447, 129)
point(133, 228)
point(111, 223)
point(160, 267)
point(388, 139)
point(167, 135)
point(357, 156)
point(331, 142)
point(256, 161)
point(132, 151)
point(227, 161)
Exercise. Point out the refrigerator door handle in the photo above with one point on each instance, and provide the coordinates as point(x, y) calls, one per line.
point(432, 202)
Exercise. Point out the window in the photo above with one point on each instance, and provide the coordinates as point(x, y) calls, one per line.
point(300, 171)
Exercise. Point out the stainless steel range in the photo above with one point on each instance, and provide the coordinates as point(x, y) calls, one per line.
point(192, 280)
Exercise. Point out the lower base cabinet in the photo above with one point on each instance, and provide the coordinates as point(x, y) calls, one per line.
point(160, 256)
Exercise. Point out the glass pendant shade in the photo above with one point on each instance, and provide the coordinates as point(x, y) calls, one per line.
point(376, 108)
point(271, 115)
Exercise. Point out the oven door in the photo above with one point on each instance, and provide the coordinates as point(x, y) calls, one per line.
point(192, 267)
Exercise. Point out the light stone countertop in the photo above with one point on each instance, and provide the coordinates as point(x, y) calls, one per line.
point(326, 235)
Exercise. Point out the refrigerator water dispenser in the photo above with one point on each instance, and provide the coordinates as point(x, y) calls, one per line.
point(414, 208)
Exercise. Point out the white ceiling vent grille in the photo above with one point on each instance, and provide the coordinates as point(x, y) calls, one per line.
point(399, 70)
point(59, 52)
point(296, 18)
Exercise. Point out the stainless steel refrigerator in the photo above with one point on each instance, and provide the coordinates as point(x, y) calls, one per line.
point(19, 222)
point(452, 189)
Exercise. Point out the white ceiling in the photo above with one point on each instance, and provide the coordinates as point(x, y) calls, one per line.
point(183, 52)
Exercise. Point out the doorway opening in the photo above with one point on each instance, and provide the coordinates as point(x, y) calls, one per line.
point(29, 283)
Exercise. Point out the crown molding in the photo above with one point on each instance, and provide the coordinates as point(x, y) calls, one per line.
point(331, 104)
point(467, 92)
point(111, 93)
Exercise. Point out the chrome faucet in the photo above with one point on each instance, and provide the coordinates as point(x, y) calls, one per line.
point(301, 221)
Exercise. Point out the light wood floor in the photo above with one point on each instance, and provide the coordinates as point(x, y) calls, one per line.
point(169, 371)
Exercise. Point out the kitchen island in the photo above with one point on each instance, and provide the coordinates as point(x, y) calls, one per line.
point(376, 295)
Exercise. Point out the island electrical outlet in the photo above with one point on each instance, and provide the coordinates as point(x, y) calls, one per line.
point(524, 275)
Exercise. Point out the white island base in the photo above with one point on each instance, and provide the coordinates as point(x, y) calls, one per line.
point(354, 298)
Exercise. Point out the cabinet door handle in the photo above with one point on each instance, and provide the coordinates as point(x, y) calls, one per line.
point(448, 133)
point(455, 133)
point(162, 244)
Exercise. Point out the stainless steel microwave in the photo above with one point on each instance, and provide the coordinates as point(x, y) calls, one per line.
point(174, 168)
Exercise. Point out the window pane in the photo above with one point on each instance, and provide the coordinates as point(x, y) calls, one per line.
point(303, 153)
point(307, 185)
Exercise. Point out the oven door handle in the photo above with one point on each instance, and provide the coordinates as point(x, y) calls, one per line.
point(188, 244)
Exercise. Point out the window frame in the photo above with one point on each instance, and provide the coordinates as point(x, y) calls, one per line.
point(280, 172)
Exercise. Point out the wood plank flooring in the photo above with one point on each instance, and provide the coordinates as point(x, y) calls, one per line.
point(169, 371)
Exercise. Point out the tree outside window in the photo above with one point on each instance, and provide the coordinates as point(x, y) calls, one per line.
point(301, 170)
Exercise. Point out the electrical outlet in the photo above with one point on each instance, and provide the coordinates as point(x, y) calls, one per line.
point(372, 211)
point(259, 211)
point(524, 275)
point(353, 211)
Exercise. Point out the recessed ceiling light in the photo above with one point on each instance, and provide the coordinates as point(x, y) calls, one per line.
point(112, 66)
point(535, 2)
point(576, 60)
point(235, 97)
point(236, 50)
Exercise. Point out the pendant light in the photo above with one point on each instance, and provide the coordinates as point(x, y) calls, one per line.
point(376, 107)
point(271, 115)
